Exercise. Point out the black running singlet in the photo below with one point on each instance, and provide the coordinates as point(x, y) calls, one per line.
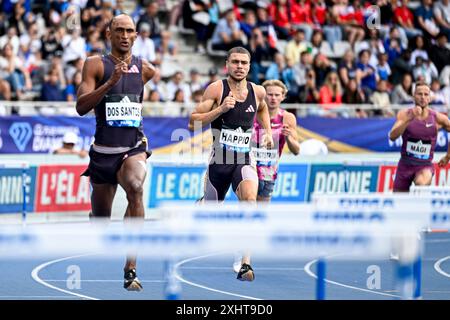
point(232, 131)
point(119, 114)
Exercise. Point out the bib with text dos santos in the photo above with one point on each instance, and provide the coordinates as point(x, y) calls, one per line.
point(232, 131)
point(267, 160)
point(119, 114)
point(419, 140)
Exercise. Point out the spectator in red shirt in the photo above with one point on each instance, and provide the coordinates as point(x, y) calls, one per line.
point(282, 16)
point(303, 15)
point(331, 92)
point(404, 18)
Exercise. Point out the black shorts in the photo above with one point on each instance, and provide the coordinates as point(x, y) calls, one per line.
point(103, 168)
point(219, 177)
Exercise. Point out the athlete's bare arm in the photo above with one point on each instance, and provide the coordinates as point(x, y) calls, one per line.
point(88, 96)
point(148, 71)
point(444, 122)
point(208, 109)
point(290, 132)
point(404, 117)
point(262, 115)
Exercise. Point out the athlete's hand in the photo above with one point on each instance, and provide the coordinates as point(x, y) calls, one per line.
point(267, 141)
point(228, 103)
point(415, 112)
point(444, 161)
point(119, 70)
point(287, 130)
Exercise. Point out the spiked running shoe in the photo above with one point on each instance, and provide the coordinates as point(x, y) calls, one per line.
point(246, 273)
point(131, 281)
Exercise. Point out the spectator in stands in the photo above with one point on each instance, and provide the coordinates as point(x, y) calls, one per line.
point(441, 12)
point(418, 50)
point(393, 45)
point(202, 17)
point(260, 51)
point(319, 12)
point(11, 38)
point(403, 92)
point(51, 89)
point(308, 93)
point(197, 96)
point(331, 92)
point(301, 70)
point(438, 101)
point(156, 84)
point(425, 19)
point(154, 96)
point(266, 26)
point(51, 44)
point(304, 19)
point(194, 80)
point(380, 98)
point(322, 66)
point(401, 66)
point(366, 73)
point(383, 68)
point(69, 146)
point(350, 22)
point(74, 45)
point(332, 29)
point(150, 16)
point(143, 46)
point(281, 15)
point(5, 89)
point(177, 83)
point(249, 23)
point(228, 33)
point(13, 70)
point(72, 87)
point(440, 53)
point(424, 70)
point(274, 72)
point(317, 42)
point(404, 18)
point(354, 95)
point(373, 44)
point(213, 75)
point(347, 68)
point(296, 46)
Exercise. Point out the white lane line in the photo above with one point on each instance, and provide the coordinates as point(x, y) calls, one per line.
point(37, 297)
point(312, 274)
point(437, 266)
point(35, 276)
point(228, 268)
point(97, 280)
point(180, 278)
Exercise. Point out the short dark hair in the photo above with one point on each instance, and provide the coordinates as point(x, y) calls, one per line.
point(114, 18)
point(238, 50)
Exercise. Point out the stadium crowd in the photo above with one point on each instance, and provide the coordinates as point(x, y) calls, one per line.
point(327, 52)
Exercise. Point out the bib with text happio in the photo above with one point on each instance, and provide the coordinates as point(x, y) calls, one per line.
point(235, 140)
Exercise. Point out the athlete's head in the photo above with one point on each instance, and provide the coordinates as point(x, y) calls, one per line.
point(122, 33)
point(238, 63)
point(422, 95)
point(275, 93)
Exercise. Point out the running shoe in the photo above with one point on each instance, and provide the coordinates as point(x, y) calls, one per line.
point(131, 281)
point(246, 273)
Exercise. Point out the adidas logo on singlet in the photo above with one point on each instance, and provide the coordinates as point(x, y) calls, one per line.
point(133, 69)
point(239, 129)
point(125, 100)
point(250, 109)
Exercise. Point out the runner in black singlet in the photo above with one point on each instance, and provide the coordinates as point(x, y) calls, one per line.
point(230, 106)
point(113, 86)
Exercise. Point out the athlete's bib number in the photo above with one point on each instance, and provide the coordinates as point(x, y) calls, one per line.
point(123, 114)
point(235, 140)
point(265, 156)
point(418, 149)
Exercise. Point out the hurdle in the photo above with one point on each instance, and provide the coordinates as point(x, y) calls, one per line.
point(271, 232)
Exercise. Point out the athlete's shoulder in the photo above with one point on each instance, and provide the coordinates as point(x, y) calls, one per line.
point(216, 85)
point(260, 91)
point(288, 116)
point(93, 60)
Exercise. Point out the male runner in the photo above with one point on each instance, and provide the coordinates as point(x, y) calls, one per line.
point(113, 86)
point(418, 127)
point(283, 126)
point(230, 106)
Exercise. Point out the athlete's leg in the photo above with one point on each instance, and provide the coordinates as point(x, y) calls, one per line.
point(245, 184)
point(424, 177)
point(102, 197)
point(131, 177)
point(265, 190)
point(404, 177)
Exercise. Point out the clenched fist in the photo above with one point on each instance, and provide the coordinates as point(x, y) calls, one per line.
point(228, 103)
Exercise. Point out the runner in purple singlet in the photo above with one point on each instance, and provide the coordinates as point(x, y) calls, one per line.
point(418, 127)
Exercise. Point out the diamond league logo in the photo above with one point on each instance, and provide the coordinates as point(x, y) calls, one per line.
point(21, 133)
